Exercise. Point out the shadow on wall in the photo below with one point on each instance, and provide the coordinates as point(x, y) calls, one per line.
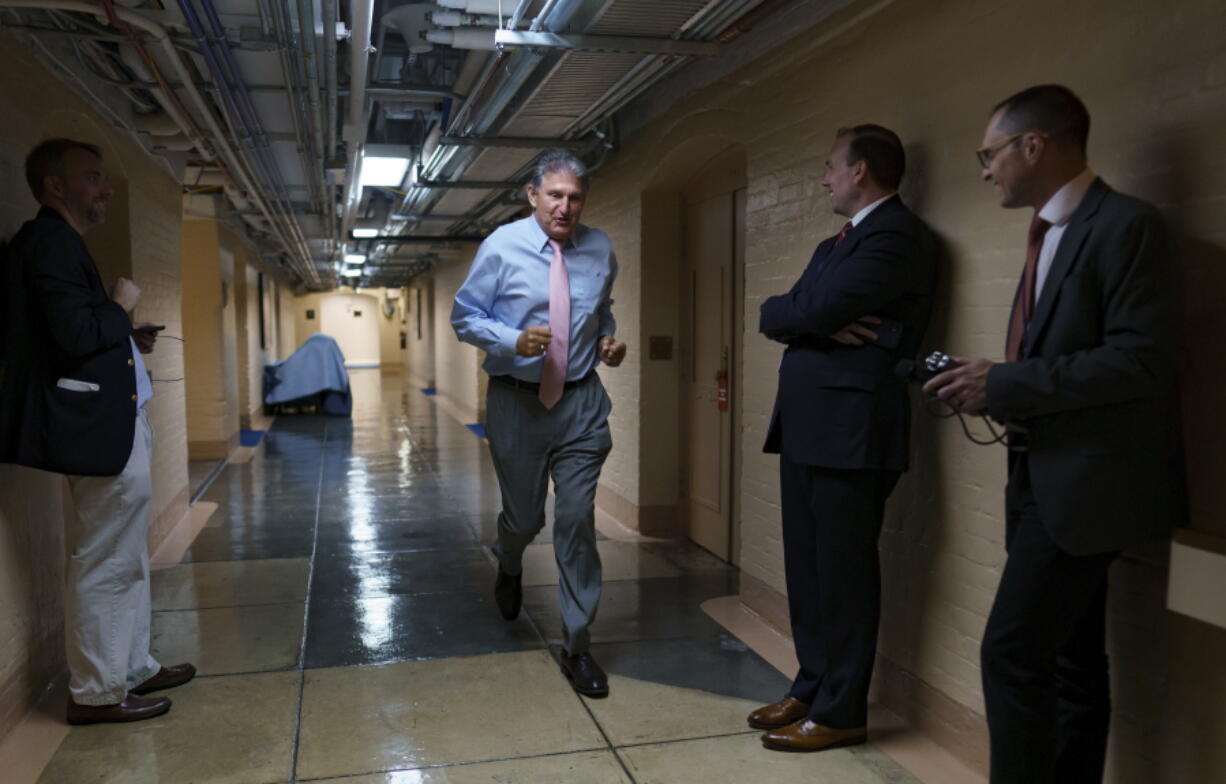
point(32, 540)
point(1168, 680)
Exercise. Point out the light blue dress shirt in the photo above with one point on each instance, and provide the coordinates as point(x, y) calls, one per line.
point(144, 387)
point(507, 291)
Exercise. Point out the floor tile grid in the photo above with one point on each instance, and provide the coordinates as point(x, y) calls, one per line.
point(433, 470)
point(540, 633)
point(306, 613)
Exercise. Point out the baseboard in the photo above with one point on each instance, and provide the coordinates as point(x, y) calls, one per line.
point(457, 410)
point(654, 521)
point(170, 550)
point(162, 525)
point(28, 683)
point(768, 603)
point(924, 746)
point(33, 740)
point(959, 731)
point(211, 450)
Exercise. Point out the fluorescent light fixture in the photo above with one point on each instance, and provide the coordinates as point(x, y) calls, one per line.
point(385, 165)
point(365, 233)
point(352, 272)
point(355, 258)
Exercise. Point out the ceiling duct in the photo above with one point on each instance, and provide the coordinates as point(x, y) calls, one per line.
point(412, 23)
point(475, 6)
point(464, 37)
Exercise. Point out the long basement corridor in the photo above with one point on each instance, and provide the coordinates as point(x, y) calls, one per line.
point(339, 606)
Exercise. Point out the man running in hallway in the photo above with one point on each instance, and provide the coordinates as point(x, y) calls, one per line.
point(537, 301)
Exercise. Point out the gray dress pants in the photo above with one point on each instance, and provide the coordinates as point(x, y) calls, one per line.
point(569, 443)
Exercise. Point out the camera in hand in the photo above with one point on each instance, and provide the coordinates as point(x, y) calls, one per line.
point(919, 372)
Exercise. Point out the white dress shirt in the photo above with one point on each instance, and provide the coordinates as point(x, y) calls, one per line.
point(1057, 211)
point(862, 214)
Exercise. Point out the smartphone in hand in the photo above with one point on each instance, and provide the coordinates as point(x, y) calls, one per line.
point(148, 329)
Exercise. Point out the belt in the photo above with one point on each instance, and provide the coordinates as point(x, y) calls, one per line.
point(1017, 440)
point(533, 387)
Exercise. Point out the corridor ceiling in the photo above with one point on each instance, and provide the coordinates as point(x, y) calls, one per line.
point(285, 114)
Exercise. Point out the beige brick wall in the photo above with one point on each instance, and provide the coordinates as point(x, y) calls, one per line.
point(211, 339)
point(419, 352)
point(1155, 79)
point(457, 366)
point(140, 240)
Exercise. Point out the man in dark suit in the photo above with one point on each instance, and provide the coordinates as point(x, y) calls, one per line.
point(72, 399)
point(1087, 392)
point(841, 426)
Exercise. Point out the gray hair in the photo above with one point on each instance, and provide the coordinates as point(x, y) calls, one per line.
point(557, 161)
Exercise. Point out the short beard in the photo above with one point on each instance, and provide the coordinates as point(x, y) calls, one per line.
point(95, 216)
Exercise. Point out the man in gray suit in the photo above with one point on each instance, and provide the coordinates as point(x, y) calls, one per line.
point(1088, 395)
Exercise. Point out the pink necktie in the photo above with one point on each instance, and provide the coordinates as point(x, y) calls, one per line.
point(553, 372)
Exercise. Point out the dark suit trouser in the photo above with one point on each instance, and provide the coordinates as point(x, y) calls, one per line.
point(831, 522)
point(1045, 681)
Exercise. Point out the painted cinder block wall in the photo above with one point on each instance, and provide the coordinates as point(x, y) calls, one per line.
point(1154, 77)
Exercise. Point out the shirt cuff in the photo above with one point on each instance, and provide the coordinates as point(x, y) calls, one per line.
point(507, 338)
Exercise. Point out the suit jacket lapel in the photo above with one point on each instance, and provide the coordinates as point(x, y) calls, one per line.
point(837, 254)
point(1070, 247)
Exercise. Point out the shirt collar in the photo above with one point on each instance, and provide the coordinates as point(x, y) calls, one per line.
point(1064, 202)
point(862, 214)
point(540, 240)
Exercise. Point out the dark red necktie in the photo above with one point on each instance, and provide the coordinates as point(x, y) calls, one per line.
point(1023, 308)
point(843, 234)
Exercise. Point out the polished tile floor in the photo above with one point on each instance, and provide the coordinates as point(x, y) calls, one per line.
point(339, 607)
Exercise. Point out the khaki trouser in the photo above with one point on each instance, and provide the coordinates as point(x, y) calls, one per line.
point(106, 600)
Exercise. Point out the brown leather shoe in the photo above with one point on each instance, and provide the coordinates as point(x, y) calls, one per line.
point(133, 708)
point(167, 678)
point(778, 714)
point(805, 735)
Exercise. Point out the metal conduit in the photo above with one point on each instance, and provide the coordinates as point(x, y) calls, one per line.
point(362, 16)
point(239, 107)
point(328, 9)
point(232, 163)
point(291, 66)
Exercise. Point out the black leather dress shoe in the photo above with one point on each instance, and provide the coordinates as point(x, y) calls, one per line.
point(167, 678)
point(133, 708)
point(584, 674)
point(509, 594)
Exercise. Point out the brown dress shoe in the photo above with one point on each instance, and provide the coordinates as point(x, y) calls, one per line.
point(806, 735)
point(133, 708)
point(167, 678)
point(778, 714)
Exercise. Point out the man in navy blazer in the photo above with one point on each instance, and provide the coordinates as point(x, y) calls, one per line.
point(841, 427)
point(1095, 460)
point(73, 389)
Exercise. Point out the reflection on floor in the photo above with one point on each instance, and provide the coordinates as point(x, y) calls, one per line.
point(338, 604)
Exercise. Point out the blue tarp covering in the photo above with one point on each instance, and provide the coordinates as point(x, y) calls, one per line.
point(317, 368)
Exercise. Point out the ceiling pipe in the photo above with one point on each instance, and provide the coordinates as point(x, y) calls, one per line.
point(362, 16)
point(162, 38)
point(553, 17)
point(240, 108)
point(306, 30)
point(328, 10)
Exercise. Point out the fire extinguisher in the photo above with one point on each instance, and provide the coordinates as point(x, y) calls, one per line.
point(721, 383)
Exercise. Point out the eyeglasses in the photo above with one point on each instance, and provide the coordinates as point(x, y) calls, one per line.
point(986, 154)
